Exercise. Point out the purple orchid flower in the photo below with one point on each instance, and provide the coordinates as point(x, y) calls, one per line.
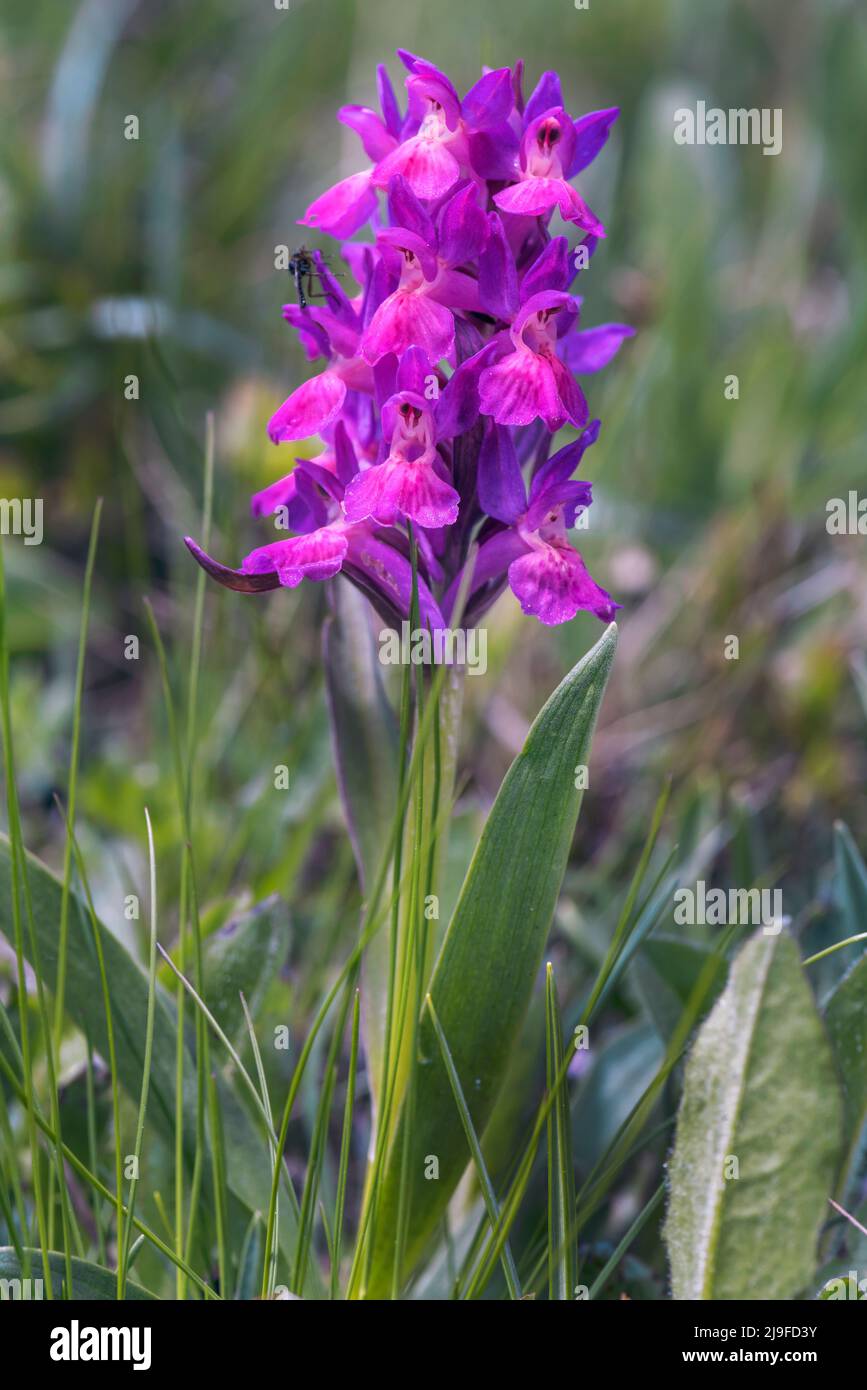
point(429, 147)
point(552, 150)
point(527, 372)
point(328, 543)
point(424, 257)
point(546, 575)
point(446, 376)
point(412, 481)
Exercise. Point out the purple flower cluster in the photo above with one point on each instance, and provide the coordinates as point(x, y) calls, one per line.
point(448, 375)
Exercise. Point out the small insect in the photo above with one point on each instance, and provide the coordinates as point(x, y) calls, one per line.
point(302, 268)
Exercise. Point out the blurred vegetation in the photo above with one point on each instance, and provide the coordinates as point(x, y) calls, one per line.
point(155, 257)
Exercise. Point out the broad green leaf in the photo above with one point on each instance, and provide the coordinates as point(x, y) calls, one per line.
point(89, 1281)
point(846, 1007)
point(482, 1175)
point(846, 1021)
point(483, 979)
point(519, 1094)
point(249, 1276)
point(850, 881)
point(759, 1089)
point(625, 1066)
point(248, 1166)
point(244, 955)
point(666, 972)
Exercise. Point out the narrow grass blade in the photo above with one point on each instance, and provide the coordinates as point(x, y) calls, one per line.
point(623, 1245)
point(510, 1272)
point(60, 989)
point(96, 1183)
point(561, 1171)
point(123, 1247)
point(345, 1147)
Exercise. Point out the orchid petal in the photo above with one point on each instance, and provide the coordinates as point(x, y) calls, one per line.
point(318, 555)
point(498, 278)
point(551, 270)
point(560, 467)
point(519, 388)
point(593, 348)
point(463, 228)
point(371, 130)
point(397, 488)
point(309, 409)
point(408, 319)
point(427, 164)
point(388, 571)
point(552, 583)
point(591, 134)
point(229, 578)
point(547, 96)
point(494, 152)
point(500, 485)
point(572, 398)
point(405, 210)
point(490, 100)
point(413, 373)
point(344, 208)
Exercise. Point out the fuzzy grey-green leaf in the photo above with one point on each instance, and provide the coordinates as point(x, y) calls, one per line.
point(760, 1100)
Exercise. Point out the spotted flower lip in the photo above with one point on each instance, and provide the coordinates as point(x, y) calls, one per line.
point(442, 380)
point(547, 150)
point(546, 575)
point(530, 381)
point(419, 312)
point(412, 480)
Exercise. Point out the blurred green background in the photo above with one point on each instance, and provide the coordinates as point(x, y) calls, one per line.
point(155, 257)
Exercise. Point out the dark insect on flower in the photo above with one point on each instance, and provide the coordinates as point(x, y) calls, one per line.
point(303, 268)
